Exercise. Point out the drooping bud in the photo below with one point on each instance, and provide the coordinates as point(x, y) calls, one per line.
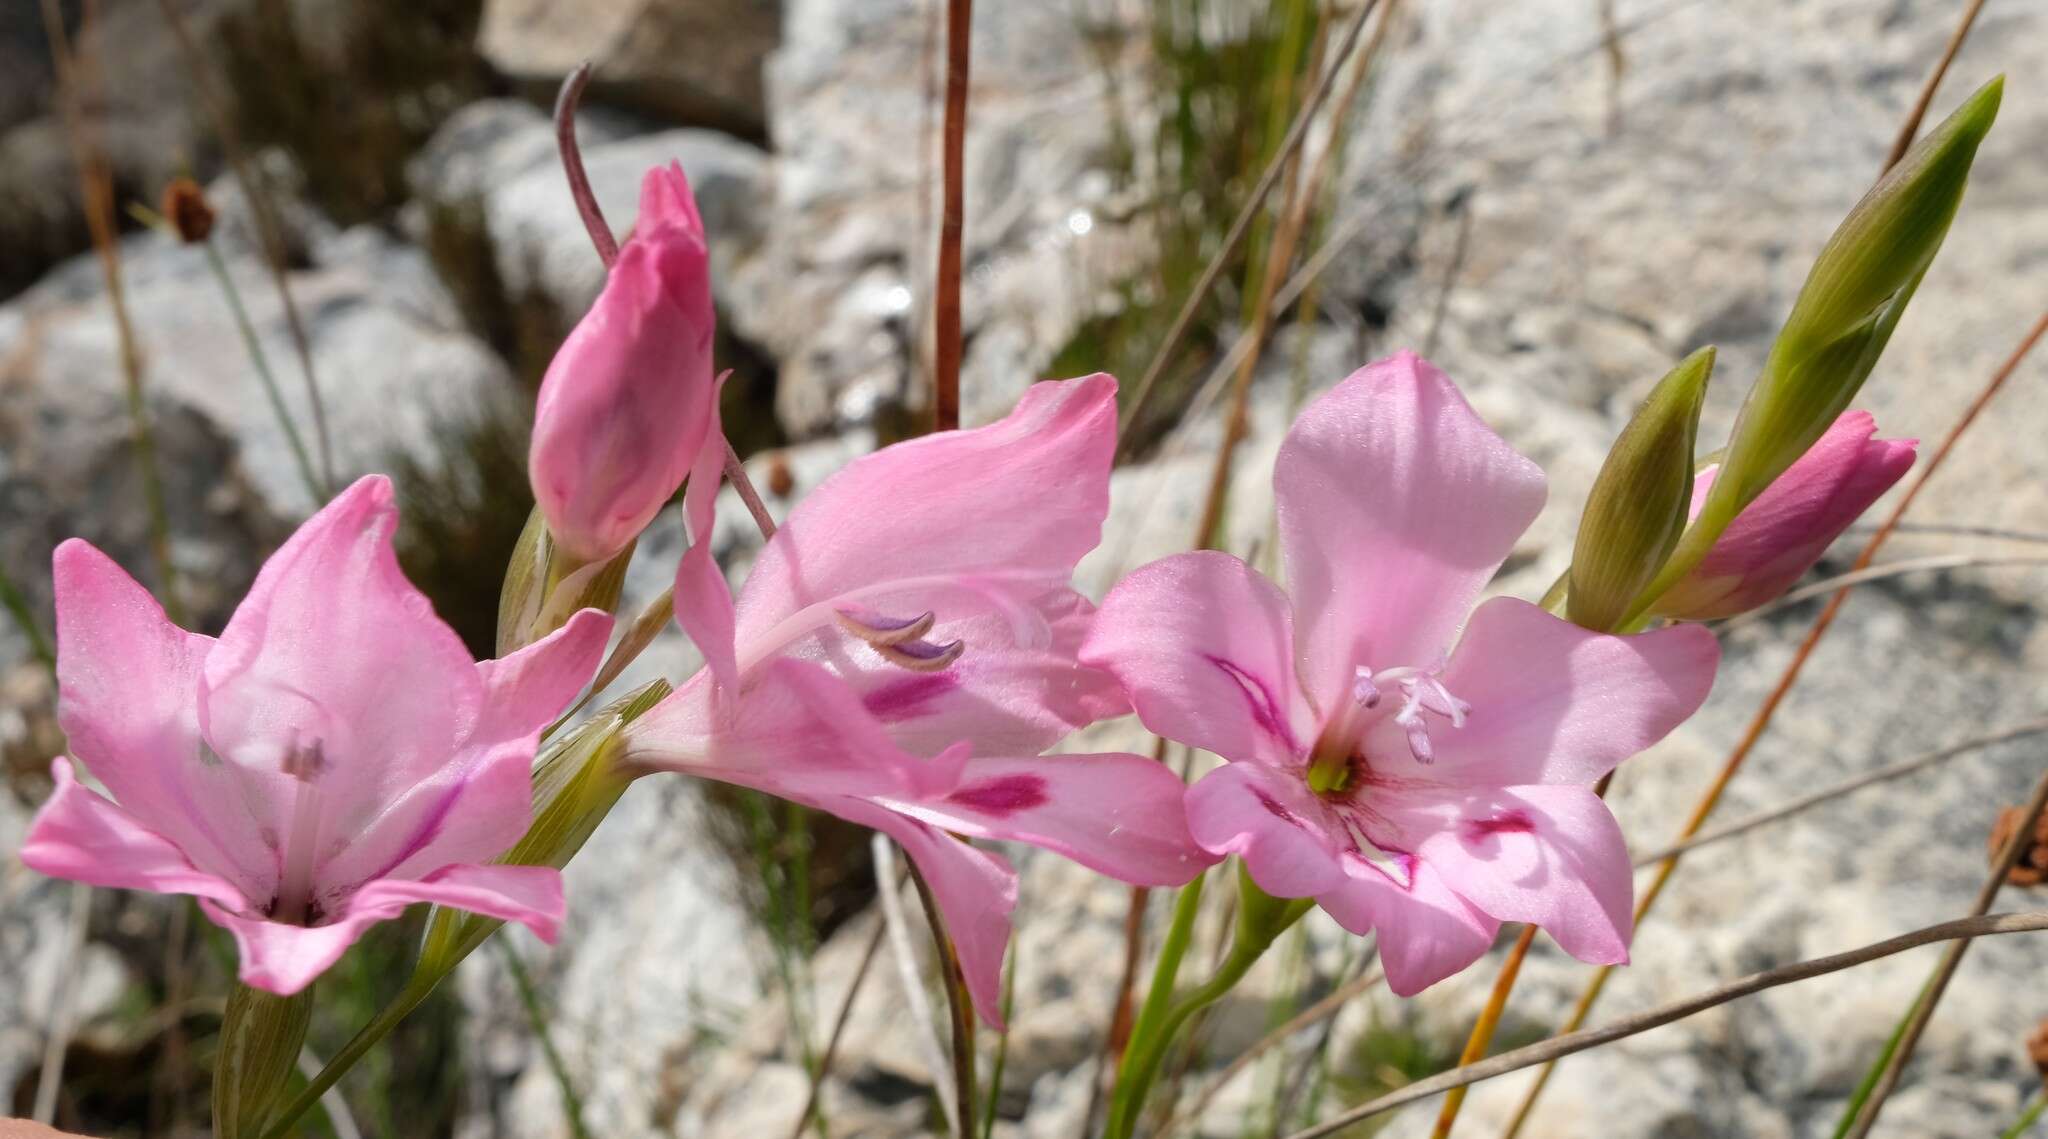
point(1777, 538)
point(544, 587)
point(1637, 507)
point(260, 1037)
point(1853, 298)
point(626, 403)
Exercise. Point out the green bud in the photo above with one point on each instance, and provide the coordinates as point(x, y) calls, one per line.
point(544, 586)
point(1638, 505)
point(260, 1037)
point(1853, 298)
point(576, 782)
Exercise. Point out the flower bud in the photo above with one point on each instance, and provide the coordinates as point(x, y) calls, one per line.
point(260, 1037)
point(1637, 507)
point(1857, 290)
point(1777, 538)
point(626, 402)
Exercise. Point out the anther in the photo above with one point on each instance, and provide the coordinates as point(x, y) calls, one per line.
point(878, 630)
point(922, 656)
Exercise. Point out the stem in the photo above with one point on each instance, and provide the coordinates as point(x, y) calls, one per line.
point(529, 999)
point(248, 330)
point(1122, 1110)
point(952, 220)
point(1483, 1030)
point(380, 1026)
point(572, 165)
point(2027, 1117)
point(1548, 1051)
point(957, 1003)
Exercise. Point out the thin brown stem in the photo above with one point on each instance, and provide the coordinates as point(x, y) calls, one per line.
point(1549, 1051)
point(1879, 573)
point(952, 221)
point(1911, 127)
point(566, 101)
point(839, 1022)
point(1488, 1023)
point(1884, 774)
point(2017, 843)
point(269, 230)
point(1241, 225)
point(1761, 721)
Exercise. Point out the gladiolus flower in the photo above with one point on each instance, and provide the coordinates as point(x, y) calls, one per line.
point(1777, 538)
point(903, 650)
point(626, 404)
point(1425, 794)
point(333, 757)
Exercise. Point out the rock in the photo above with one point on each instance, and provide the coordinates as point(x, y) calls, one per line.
point(696, 62)
point(839, 294)
point(502, 155)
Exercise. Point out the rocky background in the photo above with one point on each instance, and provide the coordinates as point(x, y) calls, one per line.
point(1556, 203)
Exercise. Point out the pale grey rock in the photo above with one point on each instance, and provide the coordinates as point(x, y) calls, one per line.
point(696, 62)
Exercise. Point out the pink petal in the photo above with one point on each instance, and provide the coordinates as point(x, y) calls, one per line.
point(1205, 647)
point(1118, 814)
point(974, 889)
point(81, 836)
point(1778, 537)
point(1270, 819)
point(333, 648)
point(1009, 695)
point(1555, 703)
point(1396, 505)
point(1425, 932)
point(1550, 856)
point(284, 959)
point(626, 401)
point(796, 729)
point(958, 523)
point(129, 684)
point(703, 601)
point(526, 691)
point(471, 811)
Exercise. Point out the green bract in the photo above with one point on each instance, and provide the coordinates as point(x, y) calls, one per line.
point(1637, 507)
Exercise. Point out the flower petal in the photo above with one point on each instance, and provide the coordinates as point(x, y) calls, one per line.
point(525, 691)
point(333, 648)
point(1425, 931)
point(1550, 856)
point(283, 958)
point(1205, 647)
point(1119, 814)
point(80, 836)
point(1396, 504)
point(703, 600)
point(1271, 820)
point(956, 523)
point(128, 683)
point(1555, 703)
point(1007, 694)
point(975, 890)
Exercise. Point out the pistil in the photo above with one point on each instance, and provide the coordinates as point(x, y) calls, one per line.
point(302, 837)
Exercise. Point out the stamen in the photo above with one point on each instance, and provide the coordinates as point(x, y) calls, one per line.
point(879, 630)
point(922, 656)
point(302, 841)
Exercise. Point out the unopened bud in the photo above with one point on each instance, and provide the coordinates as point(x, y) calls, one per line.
point(185, 207)
point(1637, 507)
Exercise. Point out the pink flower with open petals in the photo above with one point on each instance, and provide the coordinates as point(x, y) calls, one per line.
point(1778, 537)
point(1420, 790)
point(903, 650)
point(333, 757)
point(627, 402)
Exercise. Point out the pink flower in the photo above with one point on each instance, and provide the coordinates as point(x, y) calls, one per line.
point(903, 650)
point(1778, 537)
point(332, 758)
point(626, 404)
point(1425, 792)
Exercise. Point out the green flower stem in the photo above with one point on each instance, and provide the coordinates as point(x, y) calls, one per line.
point(314, 488)
point(1261, 919)
point(379, 1027)
point(2027, 1117)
